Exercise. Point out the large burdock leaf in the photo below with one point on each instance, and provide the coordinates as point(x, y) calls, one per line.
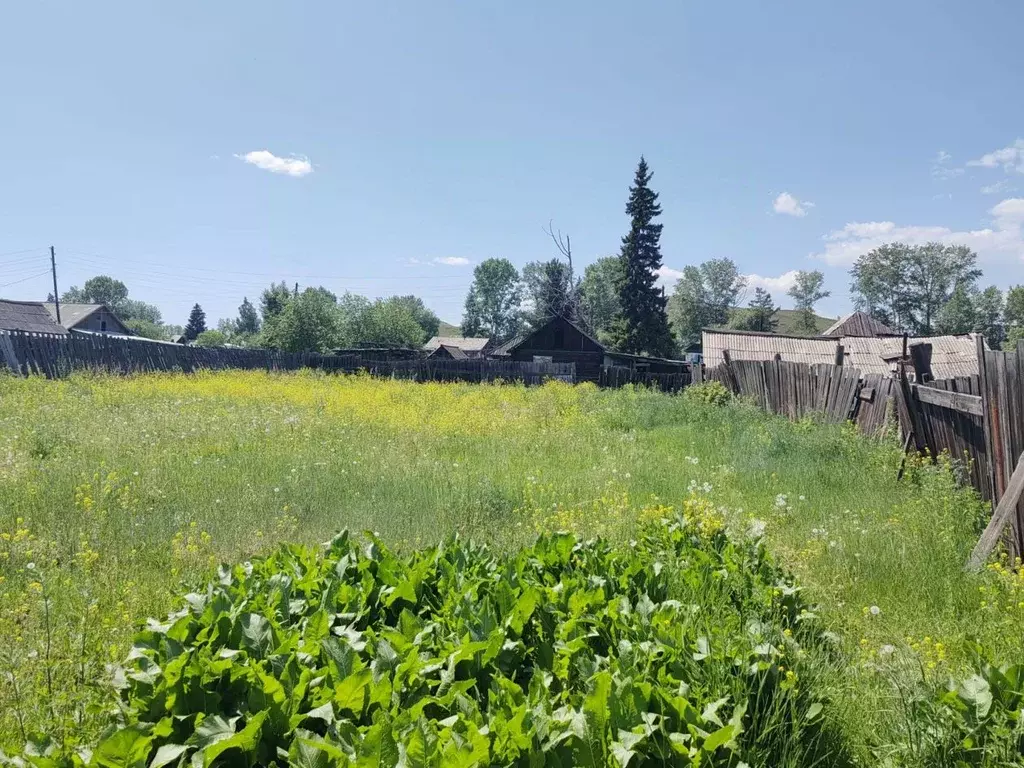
point(257, 634)
point(212, 729)
point(246, 741)
point(127, 748)
point(167, 754)
point(975, 691)
point(350, 693)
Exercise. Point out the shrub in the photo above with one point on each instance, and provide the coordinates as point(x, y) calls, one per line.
point(570, 652)
point(712, 393)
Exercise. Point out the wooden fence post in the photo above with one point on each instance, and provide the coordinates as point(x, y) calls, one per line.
point(1007, 506)
point(730, 372)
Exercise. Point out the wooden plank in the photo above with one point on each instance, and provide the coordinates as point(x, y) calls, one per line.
point(953, 400)
point(994, 529)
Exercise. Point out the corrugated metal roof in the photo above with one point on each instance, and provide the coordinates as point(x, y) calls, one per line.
point(465, 343)
point(952, 356)
point(749, 345)
point(858, 324)
point(30, 316)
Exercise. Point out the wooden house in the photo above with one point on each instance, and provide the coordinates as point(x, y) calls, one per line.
point(559, 340)
point(98, 318)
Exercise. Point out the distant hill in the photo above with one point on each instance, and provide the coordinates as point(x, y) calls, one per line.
point(447, 329)
point(789, 321)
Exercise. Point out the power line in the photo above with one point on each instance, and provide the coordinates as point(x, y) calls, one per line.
point(25, 279)
point(273, 275)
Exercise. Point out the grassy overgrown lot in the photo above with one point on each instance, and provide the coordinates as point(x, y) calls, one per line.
point(120, 495)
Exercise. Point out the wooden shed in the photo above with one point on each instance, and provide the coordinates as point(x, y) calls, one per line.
point(560, 340)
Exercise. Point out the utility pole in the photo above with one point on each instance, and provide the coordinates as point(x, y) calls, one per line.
point(56, 296)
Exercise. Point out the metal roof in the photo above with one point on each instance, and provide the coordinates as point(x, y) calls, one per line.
point(29, 316)
point(952, 356)
point(858, 324)
point(465, 343)
point(750, 345)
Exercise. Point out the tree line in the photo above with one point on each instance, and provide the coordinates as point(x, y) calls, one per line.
point(618, 300)
point(920, 289)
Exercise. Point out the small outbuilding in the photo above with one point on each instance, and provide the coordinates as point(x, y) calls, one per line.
point(445, 352)
point(472, 346)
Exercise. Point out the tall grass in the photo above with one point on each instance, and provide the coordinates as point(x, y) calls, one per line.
point(114, 492)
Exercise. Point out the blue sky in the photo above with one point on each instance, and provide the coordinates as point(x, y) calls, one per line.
point(398, 144)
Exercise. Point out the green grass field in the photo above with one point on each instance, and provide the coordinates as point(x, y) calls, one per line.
point(117, 496)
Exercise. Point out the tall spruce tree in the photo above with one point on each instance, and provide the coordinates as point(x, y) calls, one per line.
point(642, 325)
point(196, 323)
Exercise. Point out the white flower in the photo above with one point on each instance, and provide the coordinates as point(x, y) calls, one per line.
point(886, 649)
point(874, 610)
point(756, 528)
point(277, 490)
point(627, 475)
point(31, 566)
point(692, 459)
point(781, 501)
point(802, 497)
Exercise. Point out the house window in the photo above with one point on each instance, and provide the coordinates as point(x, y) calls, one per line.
point(103, 326)
point(643, 368)
point(542, 359)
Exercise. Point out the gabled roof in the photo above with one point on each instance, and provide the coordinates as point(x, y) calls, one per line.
point(28, 316)
point(454, 352)
point(521, 341)
point(465, 343)
point(73, 314)
point(858, 324)
point(505, 348)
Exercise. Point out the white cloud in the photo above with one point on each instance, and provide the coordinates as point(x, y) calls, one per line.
point(779, 284)
point(941, 169)
point(998, 188)
point(451, 261)
point(1009, 158)
point(668, 277)
point(790, 206)
point(268, 161)
point(1002, 239)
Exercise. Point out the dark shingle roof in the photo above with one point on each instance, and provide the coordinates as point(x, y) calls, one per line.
point(30, 316)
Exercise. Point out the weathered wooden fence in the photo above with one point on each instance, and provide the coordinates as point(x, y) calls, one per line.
point(56, 356)
point(620, 376)
point(978, 419)
point(833, 392)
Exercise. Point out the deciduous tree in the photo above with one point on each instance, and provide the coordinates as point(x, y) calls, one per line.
point(906, 286)
point(492, 306)
point(704, 296)
point(599, 294)
point(806, 292)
